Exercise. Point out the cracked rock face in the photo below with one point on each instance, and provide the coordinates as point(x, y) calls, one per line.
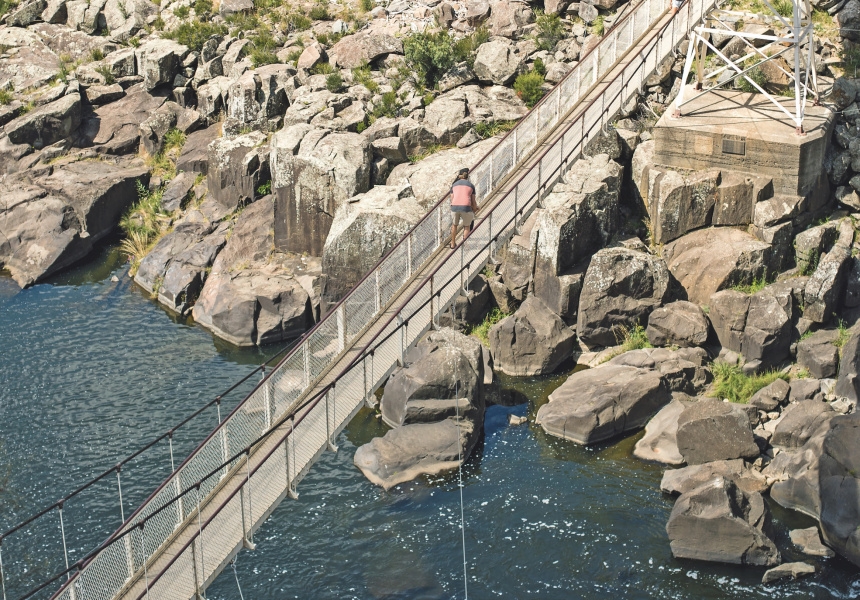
point(719, 522)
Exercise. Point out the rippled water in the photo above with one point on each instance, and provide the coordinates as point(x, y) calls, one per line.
point(90, 369)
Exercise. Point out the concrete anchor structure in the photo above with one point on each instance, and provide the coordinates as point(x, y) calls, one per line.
point(760, 48)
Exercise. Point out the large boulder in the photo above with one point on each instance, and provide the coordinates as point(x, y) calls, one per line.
point(800, 422)
point(363, 230)
point(848, 383)
point(353, 50)
point(772, 396)
point(819, 354)
point(620, 289)
point(187, 271)
point(598, 404)
point(443, 377)
point(312, 181)
point(259, 96)
point(719, 522)
point(532, 341)
point(820, 479)
point(508, 18)
point(46, 124)
point(711, 430)
point(687, 479)
point(251, 297)
point(826, 285)
point(410, 451)
point(497, 61)
point(159, 61)
point(432, 177)
point(579, 217)
point(757, 326)
point(659, 442)
point(150, 271)
point(679, 323)
point(715, 258)
point(680, 203)
point(237, 167)
point(49, 222)
point(115, 128)
point(31, 65)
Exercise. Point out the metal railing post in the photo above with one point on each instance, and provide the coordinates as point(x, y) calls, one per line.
point(330, 416)
point(201, 591)
point(377, 294)
point(341, 327)
point(307, 364)
point(294, 494)
point(247, 542)
point(409, 255)
point(402, 341)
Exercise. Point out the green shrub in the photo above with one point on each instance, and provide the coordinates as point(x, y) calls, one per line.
point(466, 47)
point(633, 338)
point(387, 107)
point(322, 38)
point(430, 55)
point(482, 331)
point(96, 54)
point(363, 76)
point(105, 72)
point(143, 224)
point(783, 7)
point(843, 335)
point(293, 57)
point(6, 6)
point(598, 28)
point(539, 67)
point(334, 82)
point(261, 58)
point(182, 11)
point(265, 189)
point(757, 75)
point(173, 139)
point(731, 383)
point(529, 87)
point(202, 7)
point(319, 13)
point(195, 33)
point(757, 285)
point(427, 98)
point(487, 130)
point(5, 96)
point(322, 68)
point(366, 5)
point(549, 30)
point(297, 21)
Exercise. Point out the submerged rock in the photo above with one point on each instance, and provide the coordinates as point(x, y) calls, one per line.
point(809, 542)
point(793, 570)
point(410, 451)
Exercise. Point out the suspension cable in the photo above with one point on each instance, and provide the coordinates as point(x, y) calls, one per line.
point(460, 477)
point(236, 575)
point(168, 435)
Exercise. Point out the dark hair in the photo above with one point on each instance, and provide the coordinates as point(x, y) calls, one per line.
point(461, 174)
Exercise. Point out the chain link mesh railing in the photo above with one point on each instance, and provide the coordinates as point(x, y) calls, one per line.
point(206, 499)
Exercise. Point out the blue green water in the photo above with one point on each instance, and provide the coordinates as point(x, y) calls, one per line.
point(91, 368)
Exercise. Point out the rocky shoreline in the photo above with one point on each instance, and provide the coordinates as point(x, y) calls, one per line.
point(261, 159)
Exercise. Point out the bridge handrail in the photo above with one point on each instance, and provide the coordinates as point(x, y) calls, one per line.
point(487, 174)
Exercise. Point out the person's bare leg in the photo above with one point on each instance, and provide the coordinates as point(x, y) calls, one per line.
point(453, 235)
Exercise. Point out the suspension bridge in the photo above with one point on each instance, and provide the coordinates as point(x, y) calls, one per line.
point(207, 510)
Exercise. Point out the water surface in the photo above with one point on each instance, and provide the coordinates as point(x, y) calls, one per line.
point(91, 368)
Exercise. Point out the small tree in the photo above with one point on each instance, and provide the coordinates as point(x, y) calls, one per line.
point(529, 87)
point(430, 54)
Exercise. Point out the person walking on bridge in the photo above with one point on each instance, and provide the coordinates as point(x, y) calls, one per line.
point(463, 205)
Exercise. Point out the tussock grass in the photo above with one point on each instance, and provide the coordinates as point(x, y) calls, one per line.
point(143, 224)
point(487, 130)
point(731, 383)
point(632, 338)
point(482, 331)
